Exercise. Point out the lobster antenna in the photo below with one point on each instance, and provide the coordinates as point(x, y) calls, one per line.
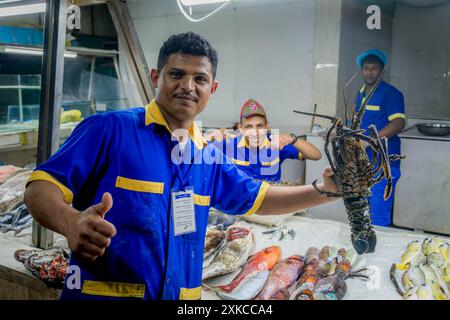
point(332, 119)
point(357, 122)
point(347, 98)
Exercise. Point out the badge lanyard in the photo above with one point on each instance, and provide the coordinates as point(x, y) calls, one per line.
point(182, 200)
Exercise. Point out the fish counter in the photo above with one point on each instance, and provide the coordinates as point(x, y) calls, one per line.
point(301, 258)
point(308, 248)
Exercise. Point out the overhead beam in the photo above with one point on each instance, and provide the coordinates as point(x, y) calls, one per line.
point(132, 48)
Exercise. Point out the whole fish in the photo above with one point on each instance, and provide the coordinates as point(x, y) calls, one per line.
point(432, 282)
point(430, 245)
point(305, 285)
point(335, 283)
point(263, 260)
point(234, 254)
point(411, 259)
point(214, 240)
point(282, 276)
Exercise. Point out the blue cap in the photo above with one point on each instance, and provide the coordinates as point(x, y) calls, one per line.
point(372, 52)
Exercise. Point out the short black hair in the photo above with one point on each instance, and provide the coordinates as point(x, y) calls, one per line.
point(373, 59)
point(188, 43)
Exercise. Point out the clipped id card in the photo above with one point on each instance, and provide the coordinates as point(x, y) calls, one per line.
point(183, 211)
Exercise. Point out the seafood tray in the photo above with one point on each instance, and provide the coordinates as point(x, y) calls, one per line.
point(424, 271)
point(234, 272)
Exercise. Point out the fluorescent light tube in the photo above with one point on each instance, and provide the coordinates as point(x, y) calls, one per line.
point(19, 10)
point(200, 2)
point(36, 52)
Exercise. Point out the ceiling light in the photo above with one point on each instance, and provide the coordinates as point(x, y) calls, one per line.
point(200, 2)
point(24, 9)
point(35, 52)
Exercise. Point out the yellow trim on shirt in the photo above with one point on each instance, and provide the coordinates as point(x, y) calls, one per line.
point(396, 115)
point(114, 289)
point(139, 185)
point(44, 176)
point(190, 293)
point(201, 200)
point(300, 156)
point(271, 163)
point(372, 108)
point(153, 114)
point(259, 198)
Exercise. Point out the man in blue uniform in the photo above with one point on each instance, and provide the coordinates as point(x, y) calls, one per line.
point(385, 110)
point(259, 153)
point(134, 215)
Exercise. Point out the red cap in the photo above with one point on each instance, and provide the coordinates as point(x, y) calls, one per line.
point(250, 108)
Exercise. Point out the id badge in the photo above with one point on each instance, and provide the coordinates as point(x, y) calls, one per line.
point(183, 211)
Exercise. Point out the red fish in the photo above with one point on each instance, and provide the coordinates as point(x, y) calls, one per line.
point(261, 261)
point(281, 277)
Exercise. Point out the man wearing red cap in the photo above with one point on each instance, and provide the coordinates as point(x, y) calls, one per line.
point(259, 153)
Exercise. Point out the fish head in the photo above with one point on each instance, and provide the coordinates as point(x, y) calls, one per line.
point(272, 255)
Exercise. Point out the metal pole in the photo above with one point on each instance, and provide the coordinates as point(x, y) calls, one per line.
point(51, 94)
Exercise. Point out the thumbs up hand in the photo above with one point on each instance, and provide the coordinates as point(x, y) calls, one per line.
point(91, 234)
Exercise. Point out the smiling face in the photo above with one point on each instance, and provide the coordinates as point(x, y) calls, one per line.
point(184, 85)
point(254, 129)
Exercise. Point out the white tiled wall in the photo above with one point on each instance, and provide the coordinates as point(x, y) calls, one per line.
point(421, 40)
point(265, 51)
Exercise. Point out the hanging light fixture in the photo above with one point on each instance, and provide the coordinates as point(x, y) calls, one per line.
point(190, 3)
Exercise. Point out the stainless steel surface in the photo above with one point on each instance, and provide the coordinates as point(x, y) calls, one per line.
point(434, 129)
point(422, 194)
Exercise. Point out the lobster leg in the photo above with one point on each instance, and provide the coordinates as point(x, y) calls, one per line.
point(327, 143)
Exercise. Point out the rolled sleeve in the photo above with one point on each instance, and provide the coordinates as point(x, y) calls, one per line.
point(234, 192)
point(395, 105)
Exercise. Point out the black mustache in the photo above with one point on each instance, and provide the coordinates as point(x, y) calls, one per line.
point(185, 96)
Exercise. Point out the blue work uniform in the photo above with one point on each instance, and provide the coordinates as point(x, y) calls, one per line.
point(262, 163)
point(386, 104)
point(130, 155)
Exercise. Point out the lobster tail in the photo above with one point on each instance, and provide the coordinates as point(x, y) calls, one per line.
point(364, 239)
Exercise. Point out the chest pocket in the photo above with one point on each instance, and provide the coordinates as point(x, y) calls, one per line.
point(372, 108)
point(140, 185)
point(139, 204)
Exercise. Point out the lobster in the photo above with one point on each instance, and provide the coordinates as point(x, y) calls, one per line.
point(354, 173)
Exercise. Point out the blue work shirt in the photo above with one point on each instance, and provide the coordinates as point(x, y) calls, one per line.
point(128, 153)
point(262, 163)
point(386, 104)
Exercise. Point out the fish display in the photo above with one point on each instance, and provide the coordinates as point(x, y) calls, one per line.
point(240, 243)
point(16, 220)
point(281, 277)
point(50, 266)
point(423, 268)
